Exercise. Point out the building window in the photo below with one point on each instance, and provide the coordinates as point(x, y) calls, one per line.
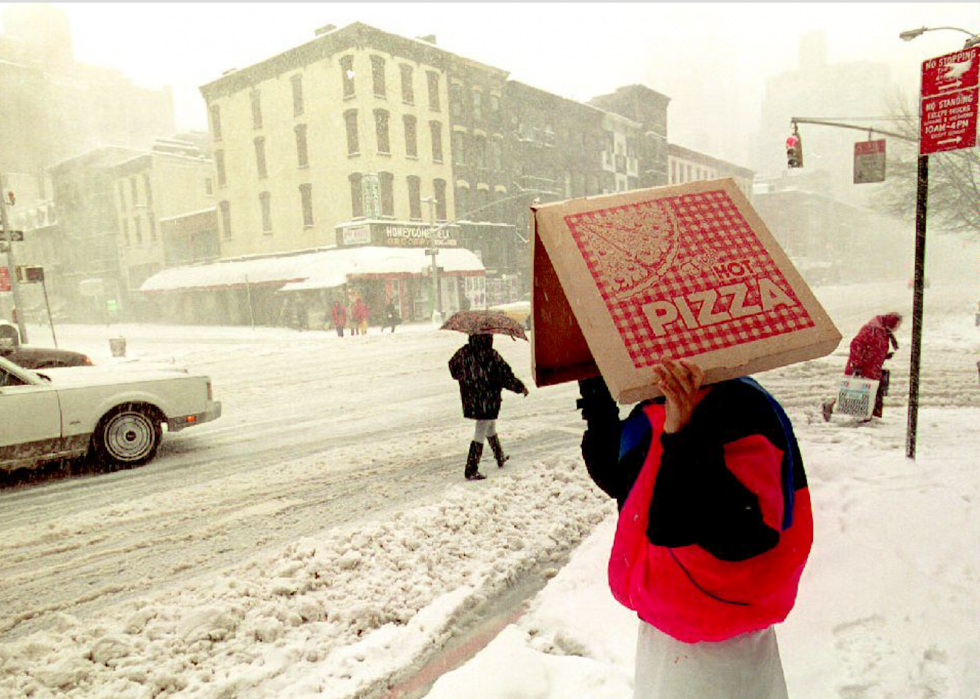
point(306, 198)
point(494, 102)
point(256, 110)
point(208, 186)
point(477, 104)
point(126, 230)
point(387, 183)
point(439, 191)
point(459, 148)
point(414, 198)
point(356, 196)
point(134, 192)
point(151, 222)
point(436, 128)
point(461, 199)
point(411, 136)
point(381, 130)
point(378, 76)
point(496, 155)
point(265, 201)
point(148, 189)
point(297, 84)
point(408, 89)
point(302, 153)
point(480, 152)
point(456, 100)
point(347, 75)
point(350, 117)
point(219, 164)
point(433, 82)
point(138, 227)
point(260, 164)
point(122, 195)
point(216, 122)
point(225, 208)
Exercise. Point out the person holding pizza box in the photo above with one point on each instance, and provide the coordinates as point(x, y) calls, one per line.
point(714, 530)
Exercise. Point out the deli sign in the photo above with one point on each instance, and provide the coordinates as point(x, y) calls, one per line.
point(948, 111)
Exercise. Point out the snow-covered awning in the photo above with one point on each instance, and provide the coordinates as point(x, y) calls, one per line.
point(315, 270)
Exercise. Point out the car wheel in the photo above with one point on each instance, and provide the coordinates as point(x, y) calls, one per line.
point(128, 436)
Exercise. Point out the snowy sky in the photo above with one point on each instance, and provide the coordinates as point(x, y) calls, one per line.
point(712, 59)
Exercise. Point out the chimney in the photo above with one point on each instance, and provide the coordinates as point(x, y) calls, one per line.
point(325, 29)
point(428, 38)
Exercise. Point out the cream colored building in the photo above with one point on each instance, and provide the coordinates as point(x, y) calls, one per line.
point(348, 128)
point(170, 180)
point(686, 165)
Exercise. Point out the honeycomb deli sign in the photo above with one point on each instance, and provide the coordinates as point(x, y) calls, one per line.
point(401, 236)
point(395, 235)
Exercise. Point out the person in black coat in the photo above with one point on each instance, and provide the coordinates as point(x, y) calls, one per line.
point(482, 374)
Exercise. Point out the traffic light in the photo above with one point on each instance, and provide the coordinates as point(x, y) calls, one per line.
point(794, 151)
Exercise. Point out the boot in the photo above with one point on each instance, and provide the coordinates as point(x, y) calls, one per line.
point(828, 408)
point(498, 451)
point(473, 462)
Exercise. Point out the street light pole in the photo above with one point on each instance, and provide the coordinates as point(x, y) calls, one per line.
point(12, 264)
point(433, 250)
point(910, 34)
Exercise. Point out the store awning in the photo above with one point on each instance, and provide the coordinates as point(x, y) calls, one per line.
point(315, 270)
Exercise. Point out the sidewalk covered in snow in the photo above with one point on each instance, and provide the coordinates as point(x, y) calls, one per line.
point(258, 289)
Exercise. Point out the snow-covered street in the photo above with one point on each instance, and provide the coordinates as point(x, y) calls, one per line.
point(319, 539)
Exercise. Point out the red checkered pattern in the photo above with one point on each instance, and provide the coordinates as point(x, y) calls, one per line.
point(710, 227)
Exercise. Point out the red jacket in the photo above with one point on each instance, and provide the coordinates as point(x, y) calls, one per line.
point(715, 524)
point(870, 347)
point(338, 314)
point(360, 311)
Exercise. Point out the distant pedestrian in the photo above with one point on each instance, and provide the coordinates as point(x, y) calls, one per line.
point(874, 343)
point(482, 374)
point(338, 314)
point(360, 314)
point(392, 319)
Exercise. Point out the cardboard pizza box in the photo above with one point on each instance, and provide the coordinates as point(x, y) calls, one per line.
point(621, 281)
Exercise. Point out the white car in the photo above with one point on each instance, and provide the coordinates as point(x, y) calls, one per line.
point(116, 415)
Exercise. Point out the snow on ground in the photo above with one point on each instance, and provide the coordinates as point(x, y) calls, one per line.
point(888, 605)
point(398, 551)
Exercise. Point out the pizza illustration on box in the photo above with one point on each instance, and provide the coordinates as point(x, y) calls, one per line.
point(685, 275)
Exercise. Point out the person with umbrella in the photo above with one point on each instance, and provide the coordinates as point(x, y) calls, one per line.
point(482, 375)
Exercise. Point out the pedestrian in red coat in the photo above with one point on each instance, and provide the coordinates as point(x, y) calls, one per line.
point(338, 314)
point(874, 343)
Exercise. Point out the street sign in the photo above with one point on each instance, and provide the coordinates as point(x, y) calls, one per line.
point(4, 279)
point(16, 236)
point(948, 112)
point(954, 71)
point(869, 161)
point(948, 122)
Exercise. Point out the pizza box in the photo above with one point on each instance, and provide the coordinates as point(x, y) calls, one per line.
point(622, 281)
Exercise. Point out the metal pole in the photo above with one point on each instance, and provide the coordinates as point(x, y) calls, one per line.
point(12, 264)
point(251, 312)
point(921, 205)
point(44, 287)
point(436, 297)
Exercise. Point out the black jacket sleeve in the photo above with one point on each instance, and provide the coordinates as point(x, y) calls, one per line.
point(506, 375)
point(612, 472)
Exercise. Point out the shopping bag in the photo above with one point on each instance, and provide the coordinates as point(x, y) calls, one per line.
point(856, 397)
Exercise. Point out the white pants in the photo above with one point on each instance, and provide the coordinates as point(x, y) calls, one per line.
point(484, 429)
point(744, 667)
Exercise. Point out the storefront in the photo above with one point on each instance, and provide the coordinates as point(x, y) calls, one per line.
point(299, 289)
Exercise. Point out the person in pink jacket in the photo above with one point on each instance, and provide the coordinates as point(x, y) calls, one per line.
point(715, 527)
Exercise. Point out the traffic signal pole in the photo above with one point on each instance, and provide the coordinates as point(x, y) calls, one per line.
point(12, 264)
